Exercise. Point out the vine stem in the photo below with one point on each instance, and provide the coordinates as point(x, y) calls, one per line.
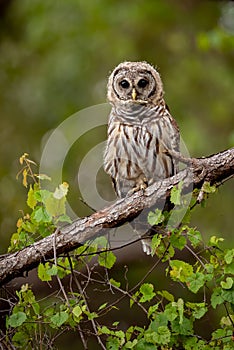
point(55, 263)
point(87, 306)
point(196, 256)
point(150, 270)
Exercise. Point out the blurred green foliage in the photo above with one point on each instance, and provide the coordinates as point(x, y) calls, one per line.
point(55, 57)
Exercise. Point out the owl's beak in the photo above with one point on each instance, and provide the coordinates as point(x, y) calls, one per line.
point(134, 94)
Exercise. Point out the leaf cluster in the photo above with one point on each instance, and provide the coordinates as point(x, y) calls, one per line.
point(171, 320)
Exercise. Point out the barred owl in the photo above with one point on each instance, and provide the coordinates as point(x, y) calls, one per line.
point(140, 128)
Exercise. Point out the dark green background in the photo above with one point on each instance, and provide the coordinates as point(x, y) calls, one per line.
point(55, 57)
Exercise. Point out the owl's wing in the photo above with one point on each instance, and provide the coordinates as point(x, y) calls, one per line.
point(170, 139)
point(175, 143)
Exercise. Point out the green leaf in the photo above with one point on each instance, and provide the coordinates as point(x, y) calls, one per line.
point(171, 311)
point(102, 306)
point(106, 259)
point(218, 334)
point(91, 315)
point(42, 272)
point(207, 188)
point(144, 345)
point(226, 321)
point(156, 217)
point(227, 284)
point(53, 270)
point(77, 311)
point(165, 294)
point(29, 298)
point(40, 215)
point(209, 268)
point(180, 270)
point(147, 291)
point(195, 281)
point(216, 297)
point(20, 339)
point(152, 310)
point(163, 335)
point(229, 269)
point(36, 308)
point(155, 242)
point(198, 309)
point(113, 343)
point(214, 241)
point(180, 306)
point(191, 344)
point(129, 332)
point(199, 313)
point(64, 218)
point(114, 282)
point(184, 328)
point(160, 320)
point(42, 195)
point(104, 330)
point(119, 334)
point(228, 295)
point(54, 206)
point(134, 298)
point(229, 256)
point(130, 344)
point(17, 319)
point(177, 240)
point(31, 200)
point(59, 318)
point(29, 226)
point(194, 236)
point(150, 336)
point(175, 197)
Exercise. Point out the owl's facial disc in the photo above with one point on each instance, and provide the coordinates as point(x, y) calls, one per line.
point(135, 88)
point(135, 82)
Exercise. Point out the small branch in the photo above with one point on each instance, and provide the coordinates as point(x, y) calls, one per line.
point(55, 263)
point(92, 320)
point(214, 169)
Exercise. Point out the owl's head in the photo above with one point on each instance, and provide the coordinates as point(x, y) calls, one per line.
point(136, 82)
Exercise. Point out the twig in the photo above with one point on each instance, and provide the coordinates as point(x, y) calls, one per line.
point(229, 316)
point(55, 263)
point(87, 307)
point(150, 270)
point(196, 256)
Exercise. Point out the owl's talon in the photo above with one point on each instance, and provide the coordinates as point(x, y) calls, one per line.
point(141, 184)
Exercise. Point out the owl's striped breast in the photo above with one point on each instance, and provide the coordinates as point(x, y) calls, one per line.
point(137, 149)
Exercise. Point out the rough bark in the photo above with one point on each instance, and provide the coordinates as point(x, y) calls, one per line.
point(215, 169)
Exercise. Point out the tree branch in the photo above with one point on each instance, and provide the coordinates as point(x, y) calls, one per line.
point(215, 169)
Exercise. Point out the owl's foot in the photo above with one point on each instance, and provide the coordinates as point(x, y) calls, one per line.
point(141, 184)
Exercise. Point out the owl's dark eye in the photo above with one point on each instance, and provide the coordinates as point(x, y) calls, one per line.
point(124, 84)
point(142, 83)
